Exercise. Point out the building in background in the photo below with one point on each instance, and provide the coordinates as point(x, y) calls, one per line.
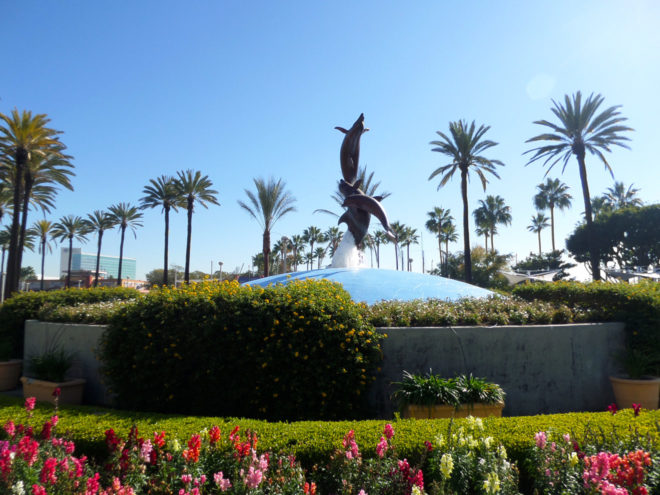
point(86, 262)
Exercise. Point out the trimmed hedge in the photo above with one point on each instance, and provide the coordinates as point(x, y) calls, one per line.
point(300, 351)
point(638, 305)
point(26, 306)
point(314, 442)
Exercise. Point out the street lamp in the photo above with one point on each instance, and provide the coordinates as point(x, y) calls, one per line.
point(220, 276)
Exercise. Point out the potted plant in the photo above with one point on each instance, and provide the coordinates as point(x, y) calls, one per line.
point(10, 369)
point(47, 372)
point(637, 386)
point(432, 396)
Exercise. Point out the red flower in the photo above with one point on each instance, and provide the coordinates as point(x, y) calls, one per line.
point(214, 435)
point(57, 392)
point(612, 408)
point(29, 403)
point(637, 408)
point(159, 439)
point(194, 448)
point(429, 446)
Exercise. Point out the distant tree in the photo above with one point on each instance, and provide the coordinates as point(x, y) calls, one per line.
point(492, 212)
point(545, 263)
point(99, 221)
point(43, 230)
point(333, 237)
point(411, 237)
point(27, 273)
point(271, 203)
point(618, 196)
point(193, 187)
point(447, 235)
point(312, 235)
point(297, 247)
point(319, 253)
point(581, 129)
point(379, 237)
point(539, 222)
point(155, 276)
point(162, 192)
point(399, 230)
point(67, 229)
point(486, 267)
point(309, 260)
point(125, 216)
point(464, 147)
point(438, 219)
point(482, 227)
point(552, 194)
point(258, 262)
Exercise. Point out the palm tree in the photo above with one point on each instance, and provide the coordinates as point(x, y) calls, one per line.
point(162, 192)
point(464, 148)
point(319, 253)
point(271, 203)
point(438, 218)
point(309, 259)
point(580, 130)
point(5, 197)
point(399, 235)
point(24, 137)
point(69, 228)
point(333, 237)
point(379, 237)
point(482, 228)
point(99, 221)
point(620, 197)
point(553, 193)
point(539, 222)
point(193, 188)
point(311, 235)
point(125, 215)
point(297, 246)
point(410, 237)
point(43, 229)
point(447, 235)
point(5, 236)
point(368, 186)
point(492, 212)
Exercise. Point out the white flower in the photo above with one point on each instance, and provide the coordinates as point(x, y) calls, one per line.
point(176, 445)
point(440, 440)
point(501, 451)
point(488, 441)
point(446, 465)
point(417, 491)
point(18, 488)
point(492, 483)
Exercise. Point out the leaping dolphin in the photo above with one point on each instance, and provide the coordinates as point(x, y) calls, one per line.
point(349, 154)
point(370, 206)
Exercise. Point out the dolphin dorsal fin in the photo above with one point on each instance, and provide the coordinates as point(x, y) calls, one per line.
point(341, 129)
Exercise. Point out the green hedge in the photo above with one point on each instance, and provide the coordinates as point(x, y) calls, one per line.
point(26, 305)
point(638, 305)
point(300, 351)
point(312, 442)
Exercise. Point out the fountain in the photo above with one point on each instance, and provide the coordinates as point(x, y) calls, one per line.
point(368, 284)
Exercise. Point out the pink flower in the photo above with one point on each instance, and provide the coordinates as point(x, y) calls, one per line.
point(10, 428)
point(362, 492)
point(57, 392)
point(253, 478)
point(29, 403)
point(47, 474)
point(612, 408)
point(541, 439)
point(567, 438)
point(38, 490)
point(145, 451)
point(637, 408)
point(389, 431)
point(223, 483)
point(381, 448)
point(186, 478)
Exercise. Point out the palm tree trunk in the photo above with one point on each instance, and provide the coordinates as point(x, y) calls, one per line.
point(24, 214)
point(467, 257)
point(68, 267)
point(552, 224)
point(98, 259)
point(539, 233)
point(121, 254)
point(593, 247)
point(377, 255)
point(408, 255)
point(186, 275)
point(440, 249)
point(492, 245)
point(43, 261)
point(2, 271)
point(447, 258)
point(396, 254)
point(11, 283)
point(266, 252)
point(167, 236)
point(486, 241)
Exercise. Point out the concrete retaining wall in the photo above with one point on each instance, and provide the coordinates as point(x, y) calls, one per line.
point(542, 369)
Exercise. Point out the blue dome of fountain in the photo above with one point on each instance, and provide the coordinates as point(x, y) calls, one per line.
point(371, 285)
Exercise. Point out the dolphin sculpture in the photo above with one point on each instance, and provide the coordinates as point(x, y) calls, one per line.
point(349, 154)
point(365, 203)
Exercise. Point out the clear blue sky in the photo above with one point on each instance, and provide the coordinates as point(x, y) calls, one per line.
point(245, 89)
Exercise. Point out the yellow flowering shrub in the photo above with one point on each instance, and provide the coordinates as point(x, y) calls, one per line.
point(300, 351)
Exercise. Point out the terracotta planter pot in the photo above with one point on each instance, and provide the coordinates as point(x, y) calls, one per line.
point(628, 391)
point(71, 392)
point(442, 411)
point(10, 371)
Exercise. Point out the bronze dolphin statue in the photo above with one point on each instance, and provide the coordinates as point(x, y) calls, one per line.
point(349, 154)
point(370, 206)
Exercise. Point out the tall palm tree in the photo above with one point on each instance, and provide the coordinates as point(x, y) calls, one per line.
point(161, 192)
point(581, 129)
point(438, 218)
point(5, 236)
point(553, 193)
point(69, 228)
point(297, 247)
point(379, 237)
point(99, 221)
point(448, 234)
point(482, 227)
point(410, 237)
point(539, 222)
point(399, 230)
point(620, 197)
point(271, 202)
point(309, 259)
point(492, 212)
point(333, 237)
point(23, 137)
point(193, 188)
point(464, 147)
point(125, 216)
point(311, 235)
point(43, 229)
point(319, 253)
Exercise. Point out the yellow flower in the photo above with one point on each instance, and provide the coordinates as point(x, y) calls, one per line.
point(446, 465)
